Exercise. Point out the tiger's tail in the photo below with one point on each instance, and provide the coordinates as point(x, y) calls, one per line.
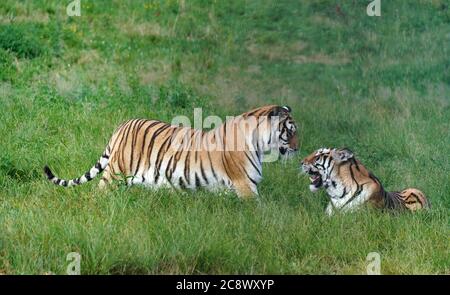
point(88, 176)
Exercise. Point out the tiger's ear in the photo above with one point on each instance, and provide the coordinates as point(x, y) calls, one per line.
point(287, 108)
point(341, 155)
point(280, 111)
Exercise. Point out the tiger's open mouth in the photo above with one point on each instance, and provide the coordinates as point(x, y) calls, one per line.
point(315, 178)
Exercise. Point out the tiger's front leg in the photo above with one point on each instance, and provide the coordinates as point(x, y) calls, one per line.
point(245, 190)
point(106, 179)
point(330, 209)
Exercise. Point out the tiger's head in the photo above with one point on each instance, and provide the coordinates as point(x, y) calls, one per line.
point(270, 128)
point(286, 131)
point(273, 129)
point(322, 164)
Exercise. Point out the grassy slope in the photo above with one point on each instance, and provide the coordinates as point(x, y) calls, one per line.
point(377, 85)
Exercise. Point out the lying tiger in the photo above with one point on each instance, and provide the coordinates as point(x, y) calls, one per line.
point(157, 154)
point(349, 184)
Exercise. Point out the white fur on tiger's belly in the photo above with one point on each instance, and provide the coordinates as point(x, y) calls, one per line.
point(148, 179)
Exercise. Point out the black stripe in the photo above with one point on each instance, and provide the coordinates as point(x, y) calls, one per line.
point(211, 165)
point(251, 113)
point(119, 131)
point(224, 165)
point(197, 180)
point(176, 157)
point(253, 164)
point(48, 173)
point(133, 145)
point(187, 167)
point(131, 129)
point(124, 133)
point(160, 158)
point(343, 193)
point(203, 172)
point(224, 133)
point(178, 154)
point(327, 162)
point(248, 176)
point(359, 190)
point(152, 141)
point(329, 176)
point(143, 143)
point(181, 183)
point(88, 176)
point(187, 161)
point(169, 170)
point(195, 147)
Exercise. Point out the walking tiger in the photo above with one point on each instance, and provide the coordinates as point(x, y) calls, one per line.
point(157, 154)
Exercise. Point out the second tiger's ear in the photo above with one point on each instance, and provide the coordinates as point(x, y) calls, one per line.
point(280, 111)
point(341, 155)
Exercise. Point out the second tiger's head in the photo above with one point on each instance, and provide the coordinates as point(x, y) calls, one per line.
point(321, 165)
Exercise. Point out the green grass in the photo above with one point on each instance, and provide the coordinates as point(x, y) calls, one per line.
point(379, 85)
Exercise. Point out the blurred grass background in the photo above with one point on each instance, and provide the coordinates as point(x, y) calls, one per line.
point(379, 85)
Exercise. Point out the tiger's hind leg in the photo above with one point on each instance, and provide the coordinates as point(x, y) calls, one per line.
point(414, 199)
point(245, 190)
point(106, 179)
